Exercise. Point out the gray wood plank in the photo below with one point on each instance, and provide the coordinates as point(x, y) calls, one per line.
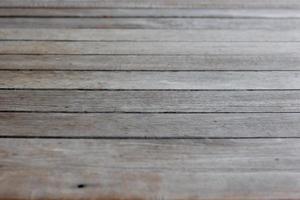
point(150, 125)
point(144, 48)
point(149, 101)
point(235, 4)
point(150, 62)
point(154, 23)
point(151, 35)
point(228, 13)
point(150, 169)
point(149, 80)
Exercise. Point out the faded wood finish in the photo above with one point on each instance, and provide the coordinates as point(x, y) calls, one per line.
point(259, 62)
point(149, 80)
point(277, 24)
point(208, 4)
point(150, 125)
point(172, 169)
point(145, 48)
point(208, 13)
point(149, 101)
point(150, 35)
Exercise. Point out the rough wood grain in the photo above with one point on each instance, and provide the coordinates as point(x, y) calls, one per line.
point(154, 23)
point(150, 125)
point(144, 48)
point(150, 101)
point(150, 62)
point(149, 80)
point(149, 169)
point(213, 13)
point(151, 35)
point(235, 4)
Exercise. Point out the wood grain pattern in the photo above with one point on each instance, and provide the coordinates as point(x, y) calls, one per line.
point(278, 24)
point(280, 62)
point(150, 125)
point(208, 13)
point(108, 169)
point(149, 80)
point(149, 101)
point(111, 35)
point(236, 4)
point(144, 48)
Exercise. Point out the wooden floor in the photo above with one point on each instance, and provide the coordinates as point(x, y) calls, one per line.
point(149, 100)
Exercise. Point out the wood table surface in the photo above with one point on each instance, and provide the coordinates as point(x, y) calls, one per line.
point(149, 100)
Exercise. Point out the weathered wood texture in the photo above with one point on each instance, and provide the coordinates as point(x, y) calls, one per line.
point(149, 169)
point(150, 125)
point(235, 4)
point(154, 23)
point(208, 13)
point(149, 80)
point(111, 35)
point(149, 101)
point(279, 62)
point(144, 48)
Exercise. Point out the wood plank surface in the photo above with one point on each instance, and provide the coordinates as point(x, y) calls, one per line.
point(235, 4)
point(111, 35)
point(165, 169)
point(278, 24)
point(149, 101)
point(208, 13)
point(144, 48)
point(149, 80)
point(149, 125)
point(279, 62)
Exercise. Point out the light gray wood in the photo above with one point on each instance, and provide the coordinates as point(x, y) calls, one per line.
point(229, 13)
point(149, 80)
point(150, 62)
point(151, 35)
point(150, 101)
point(150, 169)
point(150, 125)
point(144, 48)
point(154, 23)
point(236, 4)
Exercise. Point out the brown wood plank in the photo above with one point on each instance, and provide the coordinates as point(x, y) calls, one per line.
point(154, 23)
point(149, 169)
point(149, 101)
point(150, 125)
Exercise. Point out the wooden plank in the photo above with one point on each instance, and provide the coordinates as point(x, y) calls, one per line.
point(154, 23)
point(151, 35)
point(234, 4)
point(150, 62)
point(149, 80)
point(214, 13)
point(150, 169)
point(144, 48)
point(150, 125)
point(149, 101)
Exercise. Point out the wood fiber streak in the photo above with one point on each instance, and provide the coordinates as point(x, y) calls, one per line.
point(257, 62)
point(150, 125)
point(210, 4)
point(150, 101)
point(271, 24)
point(149, 80)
